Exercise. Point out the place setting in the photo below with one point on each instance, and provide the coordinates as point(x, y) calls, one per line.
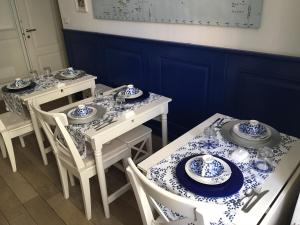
point(19, 85)
point(131, 94)
point(250, 134)
point(69, 74)
point(209, 175)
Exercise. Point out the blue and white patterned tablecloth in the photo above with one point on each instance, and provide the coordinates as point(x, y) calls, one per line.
point(224, 209)
point(14, 103)
point(113, 111)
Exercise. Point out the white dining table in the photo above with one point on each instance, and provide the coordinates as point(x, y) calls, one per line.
point(282, 184)
point(130, 119)
point(62, 89)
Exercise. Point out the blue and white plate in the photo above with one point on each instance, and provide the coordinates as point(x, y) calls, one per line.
point(18, 84)
point(253, 133)
point(82, 112)
point(214, 172)
point(69, 74)
point(131, 96)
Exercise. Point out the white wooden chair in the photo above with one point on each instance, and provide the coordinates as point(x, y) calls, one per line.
point(148, 194)
point(12, 125)
point(70, 161)
point(139, 140)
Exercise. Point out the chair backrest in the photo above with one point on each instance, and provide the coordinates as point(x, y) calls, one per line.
point(149, 194)
point(54, 126)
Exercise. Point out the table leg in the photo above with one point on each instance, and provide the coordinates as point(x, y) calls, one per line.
point(38, 134)
point(164, 129)
point(101, 179)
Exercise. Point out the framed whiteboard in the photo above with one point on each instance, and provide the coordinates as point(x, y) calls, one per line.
point(234, 13)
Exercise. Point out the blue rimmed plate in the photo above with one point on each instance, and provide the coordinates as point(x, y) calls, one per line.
point(73, 114)
point(213, 173)
point(67, 75)
point(22, 84)
point(230, 187)
point(132, 96)
point(144, 96)
point(98, 112)
point(31, 85)
point(262, 136)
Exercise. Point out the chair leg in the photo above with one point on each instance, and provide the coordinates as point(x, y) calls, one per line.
point(21, 138)
point(125, 164)
point(86, 195)
point(149, 145)
point(64, 179)
point(103, 189)
point(3, 148)
point(71, 178)
point(10, 150)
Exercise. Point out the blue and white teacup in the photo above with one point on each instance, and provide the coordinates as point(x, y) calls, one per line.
point(207, 166)
point(70, 71)
point(131, 90)
point(19, 82)
point(82, 111)
point(252, 128)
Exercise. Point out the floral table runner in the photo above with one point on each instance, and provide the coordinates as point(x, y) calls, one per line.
point(224, 208)
point(13, 101)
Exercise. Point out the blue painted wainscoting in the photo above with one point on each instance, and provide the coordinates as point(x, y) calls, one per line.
point(200, 80)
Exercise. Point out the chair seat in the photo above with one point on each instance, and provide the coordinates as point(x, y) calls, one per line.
point(109, 151)
point(12, 120)
point(135, 134)
point(12, 125)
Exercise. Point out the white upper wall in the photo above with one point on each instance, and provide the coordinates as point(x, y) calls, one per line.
point(279, 32)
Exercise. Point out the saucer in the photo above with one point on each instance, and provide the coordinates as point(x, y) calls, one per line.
point(25, 83)
point(100, 114)
point(91, 112)
point(219, 175)
point(264, 136)
point(67, 75)
point(70, 75)
point(138, 94)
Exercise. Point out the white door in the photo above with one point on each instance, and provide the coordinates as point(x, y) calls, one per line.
point(41, 27)
point(13, 58)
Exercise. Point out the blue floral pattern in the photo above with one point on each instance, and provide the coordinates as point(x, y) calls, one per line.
point(164, 174)
point(13, 102)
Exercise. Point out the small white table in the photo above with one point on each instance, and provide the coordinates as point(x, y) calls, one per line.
point(282, 184)
point(47, 95)
point(157, 108)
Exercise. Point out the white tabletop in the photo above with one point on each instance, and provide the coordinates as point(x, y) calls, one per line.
point(274, 183)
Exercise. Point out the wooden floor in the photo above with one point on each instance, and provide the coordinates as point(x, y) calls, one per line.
point(33, 195)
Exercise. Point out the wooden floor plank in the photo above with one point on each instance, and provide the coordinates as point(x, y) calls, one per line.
point(42, 213)
point(11, 207)
point(37, 179)
point(67, 211)
point(3, 220)
point(23, 219)
point(34, 155)
point(17, 183)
